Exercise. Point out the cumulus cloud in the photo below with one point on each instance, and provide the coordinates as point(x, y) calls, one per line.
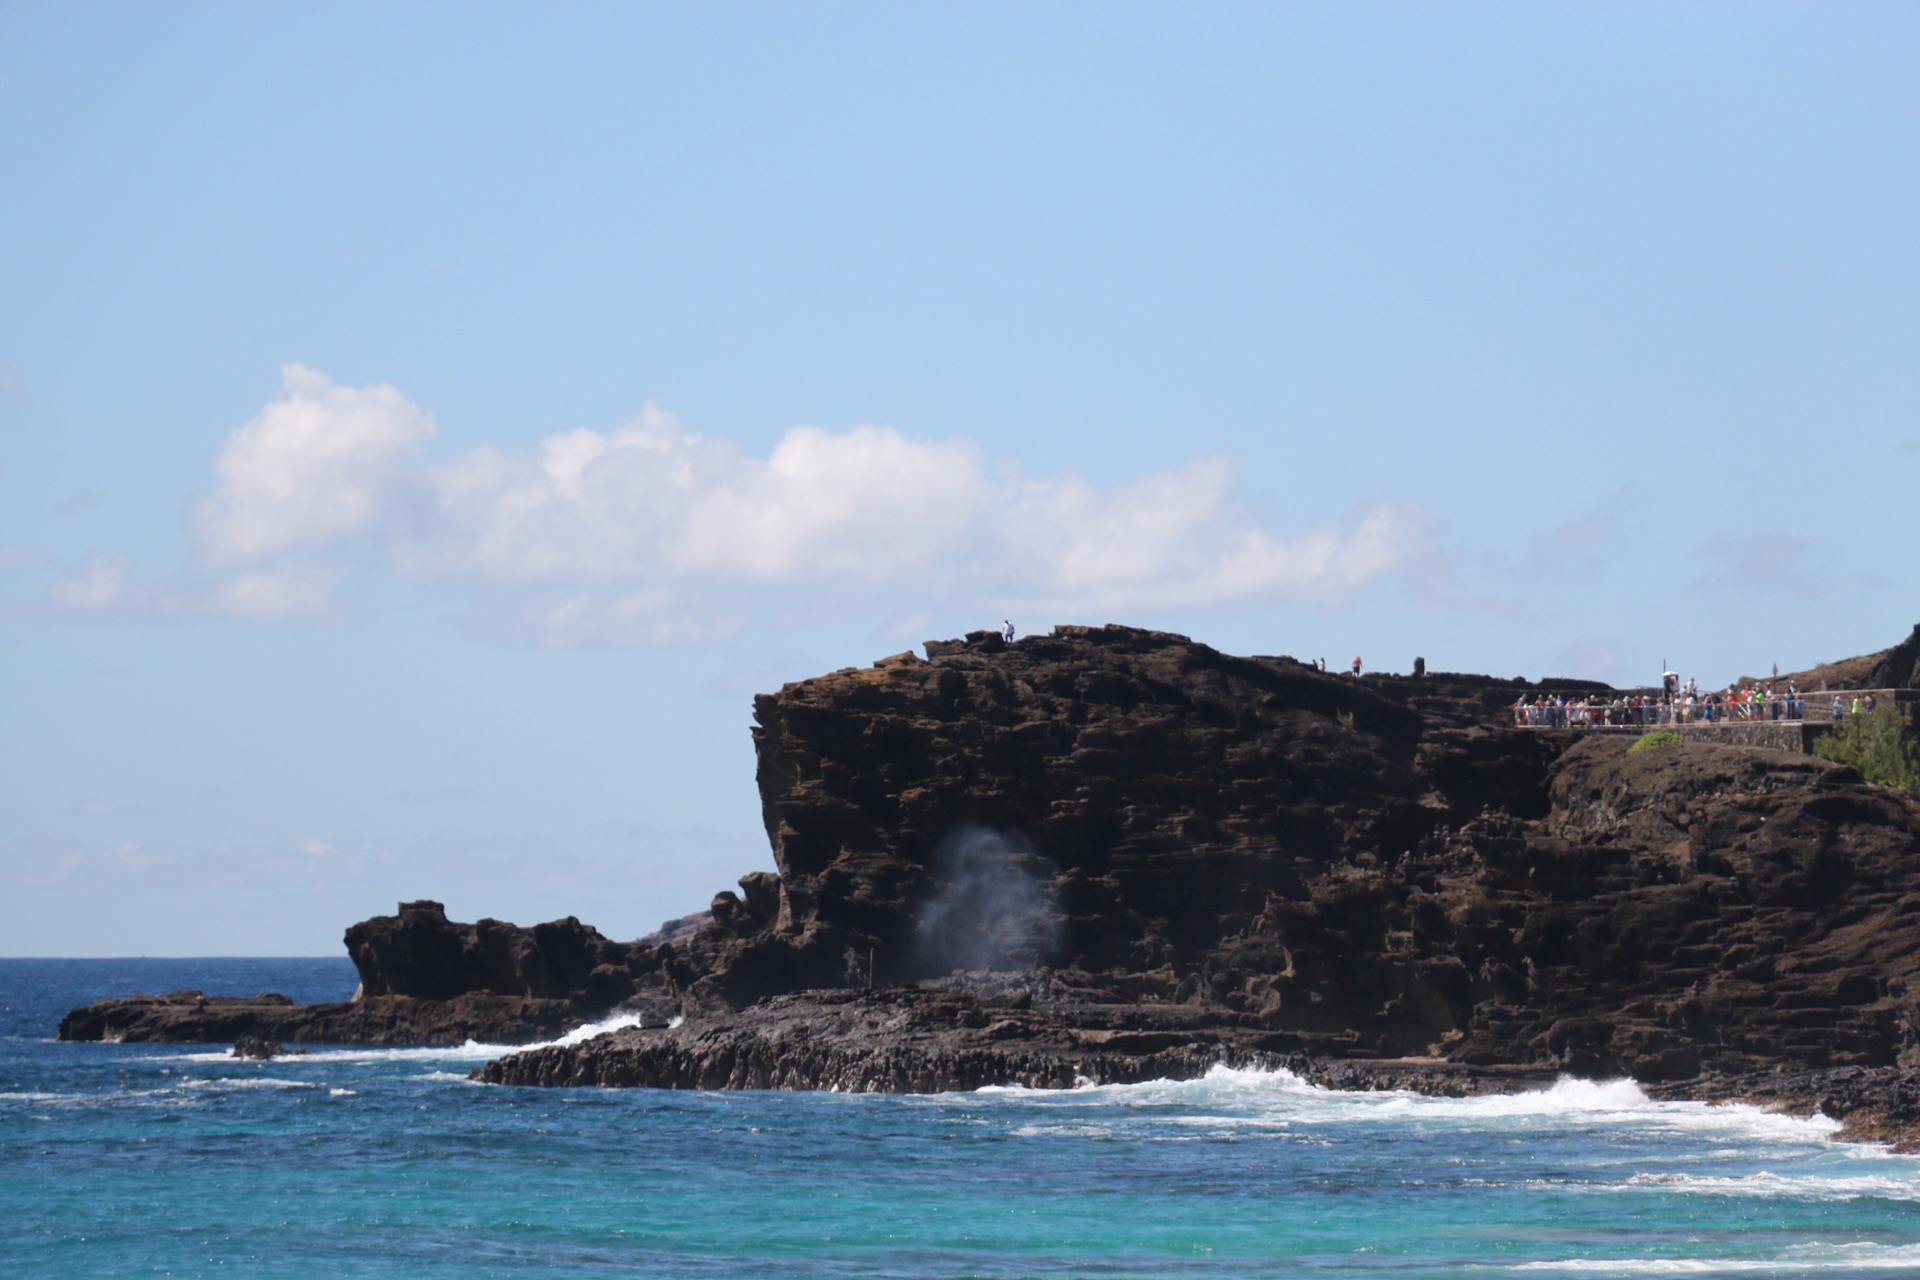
point(654, 533)
point(321, 462)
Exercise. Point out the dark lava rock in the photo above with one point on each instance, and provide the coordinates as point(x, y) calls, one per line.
point(1381, 867)
point(261, 1049)
point(1185, 858)
point(391, 1020)
point(421, 953)
point(423, 980)
point(1899, 667)
point(1355, 870)
point(895, 1040)
point(1037, 1028)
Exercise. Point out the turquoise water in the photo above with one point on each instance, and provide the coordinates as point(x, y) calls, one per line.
point(156, 1160)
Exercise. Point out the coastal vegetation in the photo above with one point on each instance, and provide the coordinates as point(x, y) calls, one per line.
point(1654, 741)
point(1880, 743)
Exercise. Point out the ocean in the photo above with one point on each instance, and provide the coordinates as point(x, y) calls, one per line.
point(170, 1160)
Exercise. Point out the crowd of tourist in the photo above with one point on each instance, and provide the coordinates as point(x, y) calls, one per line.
point(1677, 705)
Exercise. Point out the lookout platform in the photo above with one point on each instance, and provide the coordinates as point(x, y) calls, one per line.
point(1784, 734)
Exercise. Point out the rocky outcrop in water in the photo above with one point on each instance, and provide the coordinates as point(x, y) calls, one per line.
point(1154, 857)
point(1297, 862)
point(423, 980)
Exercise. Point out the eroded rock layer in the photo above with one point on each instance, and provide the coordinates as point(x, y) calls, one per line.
point(1380, 868)
point(1152, 857)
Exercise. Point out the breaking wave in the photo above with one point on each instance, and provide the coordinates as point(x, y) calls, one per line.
point(1849, 1257)
point(471, 1051)
point(1251, 1097)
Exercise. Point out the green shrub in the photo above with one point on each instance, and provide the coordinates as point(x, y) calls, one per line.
point(1346, 721)
point(1654, 741)
point(1880, 743)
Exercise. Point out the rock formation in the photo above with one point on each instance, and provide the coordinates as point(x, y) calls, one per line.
point(1370, 868)
point(1110, 853)
point(1898, 667)
point(423, 980)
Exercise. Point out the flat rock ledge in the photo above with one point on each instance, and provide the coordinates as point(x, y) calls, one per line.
point(916, 1040)
point(189, 1017)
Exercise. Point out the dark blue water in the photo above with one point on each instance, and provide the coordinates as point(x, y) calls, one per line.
point(143, 1160)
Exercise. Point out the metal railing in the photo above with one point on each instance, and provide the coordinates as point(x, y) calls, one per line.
point(1652, 711)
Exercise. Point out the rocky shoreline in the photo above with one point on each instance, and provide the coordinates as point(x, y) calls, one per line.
point(916, 1040)
point(1109, 854)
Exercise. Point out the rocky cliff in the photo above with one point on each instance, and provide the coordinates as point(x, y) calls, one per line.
point(1106, 852)
point(1898, 667)
point(423, 980)
point(1374, 868)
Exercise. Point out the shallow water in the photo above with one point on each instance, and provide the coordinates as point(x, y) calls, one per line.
point(152, 1160)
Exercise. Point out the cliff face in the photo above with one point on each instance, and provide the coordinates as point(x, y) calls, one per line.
point(1899, 667)
point(1131, 796)
point(1108, 853)
point(1377, 867)
point(420, 953)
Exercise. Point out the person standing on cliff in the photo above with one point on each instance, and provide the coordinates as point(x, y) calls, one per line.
point(1356, 666)
point(1006, 631)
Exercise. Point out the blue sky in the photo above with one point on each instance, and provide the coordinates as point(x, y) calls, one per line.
point(423, 428)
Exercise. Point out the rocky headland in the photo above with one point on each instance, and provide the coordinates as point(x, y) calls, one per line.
point(423, 980)
point(1111, 854)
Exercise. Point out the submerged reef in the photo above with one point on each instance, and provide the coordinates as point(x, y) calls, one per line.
point(1115, 854)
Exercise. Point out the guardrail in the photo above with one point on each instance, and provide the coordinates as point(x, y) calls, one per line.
point(1653, 712)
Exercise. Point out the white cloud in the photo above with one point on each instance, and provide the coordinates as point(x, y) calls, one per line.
point(92, 586)
point(103, 587)
point(315, 847)
point(319, 463)
point(273, 593)
point(652, 533)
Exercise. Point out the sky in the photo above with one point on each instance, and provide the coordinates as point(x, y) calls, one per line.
point(424, 428)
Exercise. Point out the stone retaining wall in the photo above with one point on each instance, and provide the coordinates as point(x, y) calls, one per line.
point(1779, 735)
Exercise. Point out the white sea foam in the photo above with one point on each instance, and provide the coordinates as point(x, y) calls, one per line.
point(471, 1051)
point(579, 1035)
point(1778, 1186)
point(1851, 1257)
point(244, 1082)
point(1281, 1097)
